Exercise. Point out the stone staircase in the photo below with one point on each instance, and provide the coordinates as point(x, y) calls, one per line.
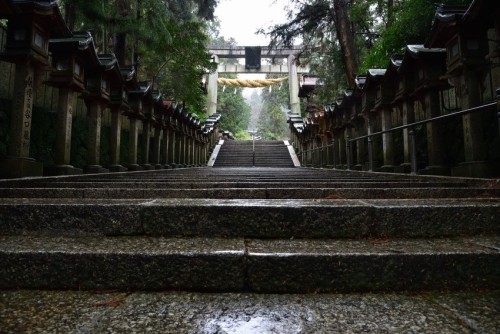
point(184, 236)
point(273, 153)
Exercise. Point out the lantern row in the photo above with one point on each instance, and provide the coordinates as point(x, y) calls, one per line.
point(443, 91)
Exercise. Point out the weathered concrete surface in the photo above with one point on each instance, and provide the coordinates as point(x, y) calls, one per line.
point(23, 311)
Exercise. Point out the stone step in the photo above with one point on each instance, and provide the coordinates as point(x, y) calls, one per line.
point(39, 311)
point(252, 218)
point(239, 191)
point(248, 265)
point(224, 183)
point(271, 154)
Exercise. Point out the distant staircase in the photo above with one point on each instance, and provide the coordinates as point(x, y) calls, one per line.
point(253, 154)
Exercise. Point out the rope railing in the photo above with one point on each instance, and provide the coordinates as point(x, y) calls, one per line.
point(305, 154)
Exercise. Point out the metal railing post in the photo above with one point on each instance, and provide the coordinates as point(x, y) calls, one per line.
point(370, 154)
point(413, 150)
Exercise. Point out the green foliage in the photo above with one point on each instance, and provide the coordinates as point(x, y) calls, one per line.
point(179, 66)
point(242, 135)
point(272, 119)
point(166, 38)
point(381, 28)
point(233, 108)
point(411, 23)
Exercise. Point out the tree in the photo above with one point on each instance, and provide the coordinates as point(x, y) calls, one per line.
point(234, 110)
point(346, 39)
point(272, 119)
point(165, 39)
point(340, 34)
point(318, 22)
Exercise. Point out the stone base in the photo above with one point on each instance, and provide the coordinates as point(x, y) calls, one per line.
point(157, 166)
point(134, 168)
point(434, 170)
point(117, 169)
point(358, 167)
point(404, 168)
point(95, 169)
point(473, 169)
point(167, 166)
point(62, 170)
point(147, 167)
point(386, 169)
point(20, 167)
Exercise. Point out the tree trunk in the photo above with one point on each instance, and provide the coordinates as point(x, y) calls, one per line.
point(70, 14)
point(346, 39)
point(120, 38)
point(390, 15)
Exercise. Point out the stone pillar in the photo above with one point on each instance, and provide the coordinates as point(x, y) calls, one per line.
point(474, 145)
point(94, 141)
point(63, 136)
point(293, 84)
point(165, 147)
point(156, 147)
point(435, 139)
point(189, 150)
point(341, 162)
point(146, 140)
point(171, 147)
point(408, 118)
point(348, 152)
point(133, 144)
point(212, 90)
point(115, 140)
point(18, 163)
point(178, 148)
point(183, 154)
point(361, 152)
point(335, 151)
point(387, 141)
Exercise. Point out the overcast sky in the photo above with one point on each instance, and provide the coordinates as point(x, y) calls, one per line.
point(240, 19)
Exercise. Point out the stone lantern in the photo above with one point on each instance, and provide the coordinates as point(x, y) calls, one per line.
point(423, 69)
point(157, 123)
point(97, 96)
point(119, 104)
point(368, 106)
point(68, 75)
point(30, 25)
point(147, 122)
point(466, 41)
point(135, 114)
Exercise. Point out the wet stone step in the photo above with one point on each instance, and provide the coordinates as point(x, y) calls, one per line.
point(164, 191)
point(269, 218)
point(39, 311)
point(193, 184)
point(283, 266)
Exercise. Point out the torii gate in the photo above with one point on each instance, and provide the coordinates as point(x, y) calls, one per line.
point(240, 52)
